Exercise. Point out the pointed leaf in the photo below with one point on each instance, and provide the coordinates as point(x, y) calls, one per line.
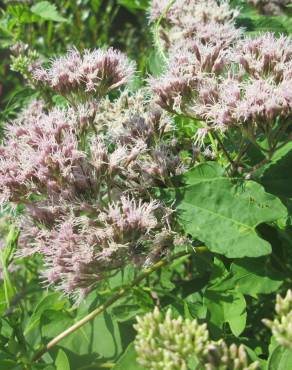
point(62, 362)
point(47, 11)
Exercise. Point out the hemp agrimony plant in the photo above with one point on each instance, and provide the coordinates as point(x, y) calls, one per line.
point(147, 216)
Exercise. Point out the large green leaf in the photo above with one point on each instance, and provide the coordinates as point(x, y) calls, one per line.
point(101, 336)
point(225, 215)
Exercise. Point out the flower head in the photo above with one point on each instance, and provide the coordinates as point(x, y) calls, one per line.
point(93, 73)
point(265, 56)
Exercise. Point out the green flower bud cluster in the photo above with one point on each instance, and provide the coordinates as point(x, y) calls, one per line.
point(218, 356)
point(167, 343)
point(281, 326)
point(24, 60)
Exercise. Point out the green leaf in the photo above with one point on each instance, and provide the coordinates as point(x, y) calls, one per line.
point(98, 340)
point(277, 177)
point(5, 260)
point(280, 359)
point(155, 63)
point(62, 362)
point(134, 4)
point(21, 14)
point(255, 276)
point(124, 312)
point(47, 11)
point(101, 336)
point(128, 360)
point(50, 302)
point(225, 215)
point(203, 172)
point(229, 306)
point(255, 23)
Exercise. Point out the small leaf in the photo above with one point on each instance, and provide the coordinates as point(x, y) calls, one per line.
point(255, 276)
point(47, 11)
point(280, 359)
point(276, 177)
point(134, 4)
point(62, 362)
point(5, 259)
point(50, 302)
point(227, 307)
point(128, 360)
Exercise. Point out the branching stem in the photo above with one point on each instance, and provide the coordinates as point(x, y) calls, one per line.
point(121, 293)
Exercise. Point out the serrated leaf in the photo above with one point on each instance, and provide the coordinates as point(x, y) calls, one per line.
point(225, 216)
point(47, 11)
point(62, 362)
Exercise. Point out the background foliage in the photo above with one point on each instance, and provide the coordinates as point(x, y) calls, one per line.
point(231, 284)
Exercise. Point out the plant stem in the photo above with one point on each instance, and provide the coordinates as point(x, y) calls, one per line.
point(122, 292)
point(156, 30)
point(224, 149)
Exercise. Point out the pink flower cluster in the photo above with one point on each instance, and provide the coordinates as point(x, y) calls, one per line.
point(41, 156)
point(247, 84)
point(208, 21)
point(84, 174)
point(186, 69)
point(80, 251)
point(94, 73)
point(190, 11)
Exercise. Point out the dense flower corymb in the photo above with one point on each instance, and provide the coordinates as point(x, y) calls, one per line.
point(41, 155)
point(205, 21)
point(83, 174)
point(92, 73)
point(248, 85)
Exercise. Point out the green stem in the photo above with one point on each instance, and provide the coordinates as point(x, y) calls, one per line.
point(156, 30)
point(224, 149)
point(121, 293)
